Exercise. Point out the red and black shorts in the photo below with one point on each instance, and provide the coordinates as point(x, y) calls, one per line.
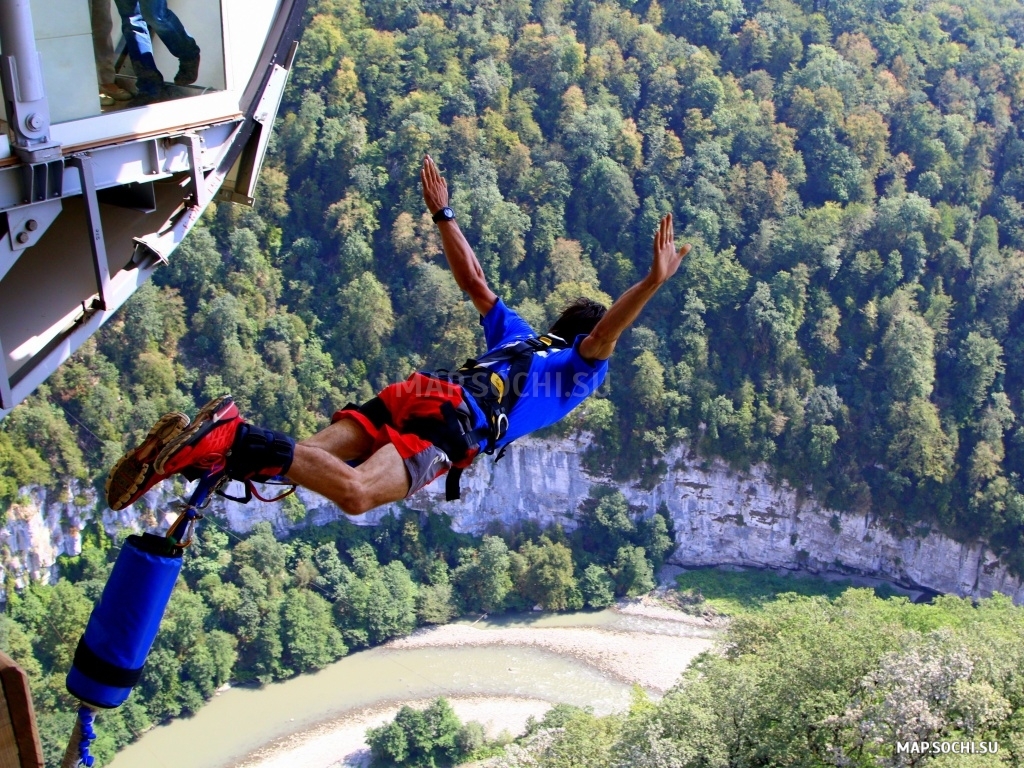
point(384, 417)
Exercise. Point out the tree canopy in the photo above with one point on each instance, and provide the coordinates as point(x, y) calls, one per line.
point(816, 682)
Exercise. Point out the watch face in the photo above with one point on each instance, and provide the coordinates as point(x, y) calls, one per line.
point(448, 212)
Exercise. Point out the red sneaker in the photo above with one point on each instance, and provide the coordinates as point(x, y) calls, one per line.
point(133, 474)
point(205, 444)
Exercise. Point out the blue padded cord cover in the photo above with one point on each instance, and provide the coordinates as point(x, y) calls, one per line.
point(124, 623)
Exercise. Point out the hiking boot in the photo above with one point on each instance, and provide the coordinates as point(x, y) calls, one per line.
point(206, 443)
point(133, 474)
point(149, 87)
point(188, 71)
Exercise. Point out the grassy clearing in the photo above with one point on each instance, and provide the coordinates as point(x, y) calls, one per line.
point(711, 591)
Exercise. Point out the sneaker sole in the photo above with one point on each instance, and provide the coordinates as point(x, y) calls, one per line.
point(202, 424)
point(135, 468)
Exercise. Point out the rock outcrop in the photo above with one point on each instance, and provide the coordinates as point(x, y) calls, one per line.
point(721, 517)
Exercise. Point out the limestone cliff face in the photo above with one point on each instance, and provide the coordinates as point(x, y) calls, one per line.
point(720, 516)
point(48, 524)
point(723, 517)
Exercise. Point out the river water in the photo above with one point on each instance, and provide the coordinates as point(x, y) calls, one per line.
point(239, 720)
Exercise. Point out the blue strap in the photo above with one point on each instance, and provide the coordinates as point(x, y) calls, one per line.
point(207, 484)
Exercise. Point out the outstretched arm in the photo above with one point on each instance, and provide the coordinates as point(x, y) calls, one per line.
point(463, 262)
point(600, 344)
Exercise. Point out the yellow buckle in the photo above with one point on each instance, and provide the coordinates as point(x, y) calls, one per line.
point(499, 385)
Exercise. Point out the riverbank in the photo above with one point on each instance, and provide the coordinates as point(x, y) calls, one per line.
point(654, 660)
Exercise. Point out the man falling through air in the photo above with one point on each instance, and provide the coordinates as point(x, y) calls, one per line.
point(433, 422)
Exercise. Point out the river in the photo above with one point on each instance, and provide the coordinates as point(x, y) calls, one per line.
point(550, 658)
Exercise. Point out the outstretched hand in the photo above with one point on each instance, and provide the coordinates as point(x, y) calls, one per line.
point(435, 188)
point(666, 258)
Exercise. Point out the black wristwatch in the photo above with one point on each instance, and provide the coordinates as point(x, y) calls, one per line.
point(445, 214)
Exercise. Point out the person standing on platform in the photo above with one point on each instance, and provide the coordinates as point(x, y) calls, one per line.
point(103, 49)
point(138, 19)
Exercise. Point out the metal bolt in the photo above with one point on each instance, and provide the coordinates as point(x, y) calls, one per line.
point(35, 122)
point(22, 238)
point(31, 225)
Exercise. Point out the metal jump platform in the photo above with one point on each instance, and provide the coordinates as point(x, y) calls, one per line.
point(94, 196)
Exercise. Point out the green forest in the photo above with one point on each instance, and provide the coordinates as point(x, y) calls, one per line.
point(850, 174)
point(253, 610)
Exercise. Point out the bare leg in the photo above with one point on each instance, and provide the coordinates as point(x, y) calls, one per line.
point(319, 465)
point(346, 439)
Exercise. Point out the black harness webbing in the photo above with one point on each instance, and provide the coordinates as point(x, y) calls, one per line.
point(496, 395)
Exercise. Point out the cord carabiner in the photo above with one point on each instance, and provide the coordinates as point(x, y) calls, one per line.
point(182, 531)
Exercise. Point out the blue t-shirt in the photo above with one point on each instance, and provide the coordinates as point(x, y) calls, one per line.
point(558, 379)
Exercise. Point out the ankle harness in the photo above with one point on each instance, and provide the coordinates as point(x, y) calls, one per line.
point(259, 454)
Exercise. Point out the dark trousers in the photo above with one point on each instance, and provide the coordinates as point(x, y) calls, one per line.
point(138, 19)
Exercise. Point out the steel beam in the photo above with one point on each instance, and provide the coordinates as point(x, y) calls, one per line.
point(140, 161)
point(6, 399)
point(194, 147)
point(25, 227)
point(92, 213)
